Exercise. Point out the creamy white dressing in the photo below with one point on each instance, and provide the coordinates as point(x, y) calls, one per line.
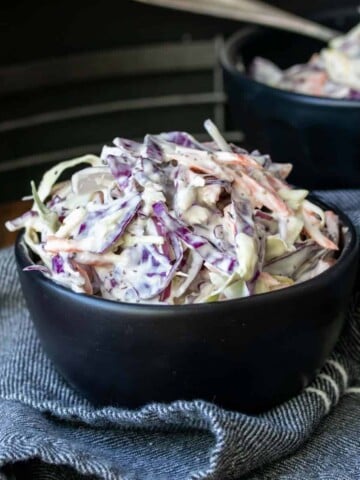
point(174, 221)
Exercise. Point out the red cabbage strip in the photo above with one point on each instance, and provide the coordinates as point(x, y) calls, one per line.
point(122, 155)
point(155, 273)
point(105, 211)
point(120, 171)
point(129, 208)
point(205, 249)
point(178, 252)
point(237, 149)
point(57, 264)
point(151, 272)
point(191, 266)
point(215, 236)
point(210, 180)
point(170, 243)
point(125, 151)
point(146, 172)
point(354, 94)
point(185, 264)
point(54, 201)
point(153, 148)
point(243, 216)
point(161, 230)
point(133, 149)
point(165, 294)
point(110, 151)
point(262, 159)
point(211, 146)
point(183, 139)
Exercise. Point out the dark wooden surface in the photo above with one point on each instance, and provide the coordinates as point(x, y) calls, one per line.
point(9, 211)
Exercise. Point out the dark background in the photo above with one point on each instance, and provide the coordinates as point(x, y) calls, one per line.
point(40, 29)
point(33, 135)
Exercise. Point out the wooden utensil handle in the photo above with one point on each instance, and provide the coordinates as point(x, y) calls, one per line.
point(250, 11)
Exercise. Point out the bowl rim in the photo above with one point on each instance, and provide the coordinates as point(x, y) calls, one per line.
point(351, 249)
point(228, 50)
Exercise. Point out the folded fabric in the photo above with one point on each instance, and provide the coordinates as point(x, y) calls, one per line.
point(49, 431)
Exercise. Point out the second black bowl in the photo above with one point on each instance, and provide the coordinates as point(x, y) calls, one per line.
point(320, 136)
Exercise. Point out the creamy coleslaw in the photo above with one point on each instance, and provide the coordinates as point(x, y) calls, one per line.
point(175, 221)
point(333, 72)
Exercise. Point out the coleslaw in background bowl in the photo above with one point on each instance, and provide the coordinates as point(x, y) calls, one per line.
point(319, 135)
point(333, 72)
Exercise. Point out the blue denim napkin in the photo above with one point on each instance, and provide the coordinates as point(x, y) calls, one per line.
point(48, 431)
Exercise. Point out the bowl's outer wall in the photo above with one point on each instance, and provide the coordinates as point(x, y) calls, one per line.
point(321, 140)
point(246, 355)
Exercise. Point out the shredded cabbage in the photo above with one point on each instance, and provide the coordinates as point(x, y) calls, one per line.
point(175, 221)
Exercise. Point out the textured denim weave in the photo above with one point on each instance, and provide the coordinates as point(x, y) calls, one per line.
point(49, 432)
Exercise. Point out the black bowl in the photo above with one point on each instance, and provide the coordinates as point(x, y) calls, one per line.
point(320, 136)
point(247, 354)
